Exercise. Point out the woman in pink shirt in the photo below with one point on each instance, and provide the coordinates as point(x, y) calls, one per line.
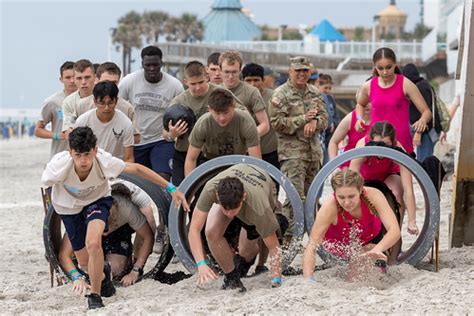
point(347, 128)
point(397, 178)
point(389, 92)
point(354, 214)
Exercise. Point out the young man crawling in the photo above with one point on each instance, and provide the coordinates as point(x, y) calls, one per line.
point(81, 195)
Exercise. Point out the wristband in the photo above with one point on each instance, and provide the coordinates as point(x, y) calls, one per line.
point(276, 280)
point(77, 277)
point(70, 273)
point(359, 116)
point(170, 188)
point(202, 262)
point(56, 136)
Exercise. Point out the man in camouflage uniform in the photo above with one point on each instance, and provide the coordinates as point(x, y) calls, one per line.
point(298, 114)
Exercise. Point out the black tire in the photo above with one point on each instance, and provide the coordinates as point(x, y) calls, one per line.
point(52, 233)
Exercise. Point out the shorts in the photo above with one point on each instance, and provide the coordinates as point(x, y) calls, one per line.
point(76, 225)
point(157, 156)
point(233, 230)
point(119, 242)
point(179, 158)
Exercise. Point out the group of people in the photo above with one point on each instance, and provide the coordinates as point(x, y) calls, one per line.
point(102, 126)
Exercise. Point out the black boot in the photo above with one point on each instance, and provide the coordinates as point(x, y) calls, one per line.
point(232, 281)
point(94, 301)
point(242, 266)
point(107, 288)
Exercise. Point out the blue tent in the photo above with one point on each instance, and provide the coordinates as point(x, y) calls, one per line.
point(226, 22)
point(327, 32)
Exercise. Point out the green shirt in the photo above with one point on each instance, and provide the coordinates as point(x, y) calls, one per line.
point(261, 202)
point(233, 139)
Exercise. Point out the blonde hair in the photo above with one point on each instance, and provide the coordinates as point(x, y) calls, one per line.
point(350, 178)
point(232, 57)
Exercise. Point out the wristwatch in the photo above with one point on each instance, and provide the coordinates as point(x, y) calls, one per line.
point(138, 269)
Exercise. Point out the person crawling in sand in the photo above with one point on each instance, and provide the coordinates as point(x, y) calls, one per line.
point(81, 196)
point(354, 215)
point(125, 218)
point(242, 195)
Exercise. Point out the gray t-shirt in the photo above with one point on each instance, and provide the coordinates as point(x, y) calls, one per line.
point(233, 139)
point(52, 112)
point(123, 212)
point(69, 110)
point(112, 136)
point(150, 101)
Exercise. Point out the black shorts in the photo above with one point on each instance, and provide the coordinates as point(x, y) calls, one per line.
point(119, 242)
point(233, 230)
point(76, 225)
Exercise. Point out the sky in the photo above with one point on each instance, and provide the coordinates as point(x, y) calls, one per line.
point(37, 36)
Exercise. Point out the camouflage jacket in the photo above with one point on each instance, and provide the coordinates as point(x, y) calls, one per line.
point(287, 108)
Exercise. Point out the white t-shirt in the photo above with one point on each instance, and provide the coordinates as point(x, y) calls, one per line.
point(112, 136)
point(69, 110)
point(52, 112)
point(150, 101)
point(70, 194)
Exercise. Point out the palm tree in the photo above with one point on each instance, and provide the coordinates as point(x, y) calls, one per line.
point(128, 36)
point(191, 28)
point(153, 23)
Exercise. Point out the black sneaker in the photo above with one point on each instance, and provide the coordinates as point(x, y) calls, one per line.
point(260, 270)
point(242, 266)
point(94, 301)
point(232, 281)
point(107, 288)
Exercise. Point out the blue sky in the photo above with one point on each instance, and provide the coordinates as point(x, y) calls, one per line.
point(38, 36)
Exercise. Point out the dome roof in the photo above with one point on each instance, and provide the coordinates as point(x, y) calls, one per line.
point(391, 10)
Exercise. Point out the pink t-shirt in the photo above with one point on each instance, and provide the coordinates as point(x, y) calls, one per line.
point(375, 168)
point(338, 237)
point(391, 105)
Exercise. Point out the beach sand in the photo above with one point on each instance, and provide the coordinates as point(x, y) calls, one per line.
point(25, 284)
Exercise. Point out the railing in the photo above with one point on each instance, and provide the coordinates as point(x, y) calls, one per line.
point(362, 50)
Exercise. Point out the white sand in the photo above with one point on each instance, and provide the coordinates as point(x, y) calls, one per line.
point(25, 288)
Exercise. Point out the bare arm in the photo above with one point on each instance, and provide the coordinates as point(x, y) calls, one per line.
point(362, 101)
point(411, 90)
point(191, 159)
point(275, 256)
point(198, 221)
point(263, 122)
point(144, 172)
point(339, 134)
point(254, 152)
point(357, 163)
point(42, 132)
point(325, 216)
point(128, 154)
point(388, 219)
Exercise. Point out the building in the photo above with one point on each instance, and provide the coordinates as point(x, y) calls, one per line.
point(390, 22)
point(227, 22)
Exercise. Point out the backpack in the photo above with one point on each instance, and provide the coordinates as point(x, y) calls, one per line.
point(441, 111)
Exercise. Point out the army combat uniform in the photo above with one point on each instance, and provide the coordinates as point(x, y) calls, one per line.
point(300, 156)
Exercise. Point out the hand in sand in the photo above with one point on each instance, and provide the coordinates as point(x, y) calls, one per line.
point(129, 279)
point(81, 287)
point(375, 254)
point(205, 274)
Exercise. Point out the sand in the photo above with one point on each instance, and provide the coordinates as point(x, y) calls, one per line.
point(25, 286)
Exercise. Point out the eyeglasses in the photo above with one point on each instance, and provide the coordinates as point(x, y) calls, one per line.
point(110, 104)
point(389, 67)
point(230, 73)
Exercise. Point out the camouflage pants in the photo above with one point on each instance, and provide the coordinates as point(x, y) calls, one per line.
point(301, 173)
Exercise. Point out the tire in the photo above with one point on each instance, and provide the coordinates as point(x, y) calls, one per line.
point(52, 234)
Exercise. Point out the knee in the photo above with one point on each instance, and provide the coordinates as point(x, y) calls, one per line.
point(212, 235)
point(93, 246)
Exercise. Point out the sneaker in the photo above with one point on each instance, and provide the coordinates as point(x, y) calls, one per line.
point(260, 270)
point(159, 240)
point(107, 288)
point(94, 301)
point(242, 266)
point(232, 281)
point(382, 265)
